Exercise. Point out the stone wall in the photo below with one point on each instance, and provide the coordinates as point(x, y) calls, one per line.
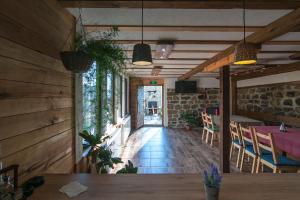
point(195, 103)
point(278, 99)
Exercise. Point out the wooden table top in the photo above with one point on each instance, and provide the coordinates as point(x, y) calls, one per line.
point(239, 119)
point(172, 187)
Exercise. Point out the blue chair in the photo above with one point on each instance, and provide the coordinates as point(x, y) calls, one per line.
point(279, 163)
point(249, 147)
point(236, 141)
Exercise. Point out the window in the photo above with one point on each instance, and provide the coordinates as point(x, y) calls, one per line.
point(108, 117)
point(89, 99)
point(119, 96)
point(126, 92)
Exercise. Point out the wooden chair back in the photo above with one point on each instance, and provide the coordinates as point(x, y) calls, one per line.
point(234, 132)
point(210, 122)
point(204, 120)
point(265, 142)
point(247, 135)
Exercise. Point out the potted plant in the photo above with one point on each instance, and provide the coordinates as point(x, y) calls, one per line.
point(212, 182)
point(128, 169)
point(77, 60)
point(190, 120)
point(101, 155)
point(98, 47)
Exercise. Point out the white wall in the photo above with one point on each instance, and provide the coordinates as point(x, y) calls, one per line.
point(278, 78)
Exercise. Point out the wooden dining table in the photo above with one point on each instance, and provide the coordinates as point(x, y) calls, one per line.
point(288, 142)
point(245, 121)
point(171, 187)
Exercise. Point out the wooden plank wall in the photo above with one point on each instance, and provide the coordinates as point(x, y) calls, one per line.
point(36, 92)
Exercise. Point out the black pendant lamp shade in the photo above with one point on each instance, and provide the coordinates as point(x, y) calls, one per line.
point(142, 54)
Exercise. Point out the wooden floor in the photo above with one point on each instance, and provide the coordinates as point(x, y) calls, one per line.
point(161, 150)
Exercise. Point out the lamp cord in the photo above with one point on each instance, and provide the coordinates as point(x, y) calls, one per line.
point(142, 21)
point(244, 19)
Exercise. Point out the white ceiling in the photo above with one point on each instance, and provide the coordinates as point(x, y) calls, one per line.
point(190, 17)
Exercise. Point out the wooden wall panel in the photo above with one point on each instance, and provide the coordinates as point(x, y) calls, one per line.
point(35, 24)
point(18, 52)
point(31, 74)
point(36, 92)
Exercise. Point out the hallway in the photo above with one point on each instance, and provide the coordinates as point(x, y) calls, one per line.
point(162, 150)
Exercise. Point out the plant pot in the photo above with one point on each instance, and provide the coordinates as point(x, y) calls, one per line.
point(76, 61)
point(211, 193)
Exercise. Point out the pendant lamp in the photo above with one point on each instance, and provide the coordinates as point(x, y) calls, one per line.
point(245, 53)
point(142, 52)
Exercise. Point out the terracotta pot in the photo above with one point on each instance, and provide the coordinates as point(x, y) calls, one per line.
point(76, 61)
point(211, 193)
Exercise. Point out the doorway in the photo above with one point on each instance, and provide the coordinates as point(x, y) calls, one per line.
point(153, 105)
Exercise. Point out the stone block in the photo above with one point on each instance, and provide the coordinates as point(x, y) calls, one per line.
point(288, 102)
point(291, 94)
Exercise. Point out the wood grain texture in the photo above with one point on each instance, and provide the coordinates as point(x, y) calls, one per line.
point(182, 4)
point(172, 187)
point(36, 92)
point(270, 117)
point(225, 119)
point(277, 28)
point(157, 150)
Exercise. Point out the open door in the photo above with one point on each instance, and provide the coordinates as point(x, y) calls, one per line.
point(140, 107)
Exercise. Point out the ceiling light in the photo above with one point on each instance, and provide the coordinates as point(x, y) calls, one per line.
point(142, 52)
point(245, 53)
point(164, 49)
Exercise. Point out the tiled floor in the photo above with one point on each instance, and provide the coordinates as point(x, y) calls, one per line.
point(161, 150)
point(152, 120)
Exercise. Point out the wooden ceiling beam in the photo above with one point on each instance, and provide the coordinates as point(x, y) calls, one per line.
point(137, 28)
point(271, 31)
point(182, 4)
point(295, 56)
point(267, 71)
point(207, 42)
point(217, 51)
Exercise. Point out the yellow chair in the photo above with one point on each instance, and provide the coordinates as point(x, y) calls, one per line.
point(269, 157)
point(236, 141)
point(249, 147)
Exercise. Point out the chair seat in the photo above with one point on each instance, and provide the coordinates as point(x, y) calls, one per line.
point(250, 149)
point(282, 160)
point(212, 129)
point(236, 141)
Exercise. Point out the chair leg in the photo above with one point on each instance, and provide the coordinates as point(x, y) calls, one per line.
point(242, 159)
point(275, 170)
point(203, 133)
point(253, 164)
point(231, 149)
point(207, 137)
point(212, 139)
point(258, 164)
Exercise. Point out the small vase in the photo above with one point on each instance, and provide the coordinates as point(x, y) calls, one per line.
point(211, 193)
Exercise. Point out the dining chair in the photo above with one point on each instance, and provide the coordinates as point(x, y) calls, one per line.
point(236, 141)
point(211, 129)
point(249, 147)
point(277, 162)
point(204, 121)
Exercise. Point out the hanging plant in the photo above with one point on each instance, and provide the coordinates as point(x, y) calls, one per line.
point(77, 60)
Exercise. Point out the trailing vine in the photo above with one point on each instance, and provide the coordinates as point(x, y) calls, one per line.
point(108, 57)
